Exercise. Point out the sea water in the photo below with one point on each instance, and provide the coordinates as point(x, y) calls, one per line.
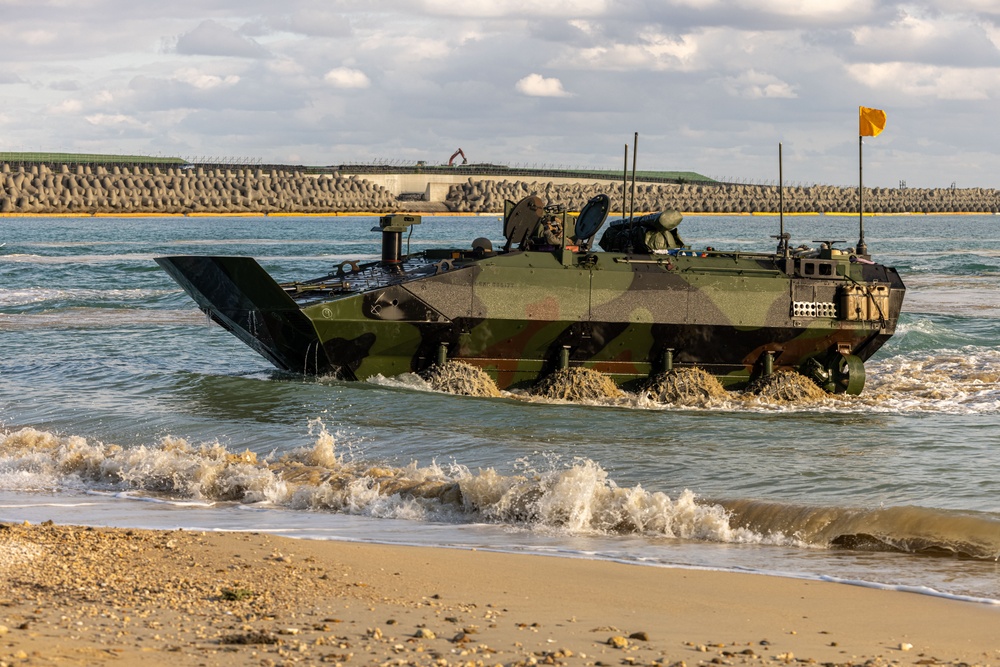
point(121, 404)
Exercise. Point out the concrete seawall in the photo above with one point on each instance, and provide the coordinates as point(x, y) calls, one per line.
point(152, 190)
point(727, 198)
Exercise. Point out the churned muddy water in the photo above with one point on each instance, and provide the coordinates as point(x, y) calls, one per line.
point(120, 404)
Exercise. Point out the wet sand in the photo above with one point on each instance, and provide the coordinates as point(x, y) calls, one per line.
point(79, 596)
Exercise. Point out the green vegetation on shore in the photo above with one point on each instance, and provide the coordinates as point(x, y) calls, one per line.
point(84, 158)
point(677, 176)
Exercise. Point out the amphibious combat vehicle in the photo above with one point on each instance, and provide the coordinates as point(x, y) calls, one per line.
point(643, 304)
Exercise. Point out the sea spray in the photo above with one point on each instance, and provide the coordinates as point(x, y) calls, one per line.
point(954, 380)
point(687, 387)
point(50, 460)
point(458, 377)
point(577, 384)
point(785, 386)
point(576, 498)
point(581, 499)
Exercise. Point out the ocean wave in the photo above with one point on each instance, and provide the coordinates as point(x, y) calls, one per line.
point(971, 251)
point(568, 497)
point(578, 498)
point(916, 530)
point(960, 294)
point(78, 259)
point(192, 242)
point(932, 332)
point(83, 296)
point(100, 318)
point(964, 380)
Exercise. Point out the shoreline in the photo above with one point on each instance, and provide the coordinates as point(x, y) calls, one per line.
point(77, 595)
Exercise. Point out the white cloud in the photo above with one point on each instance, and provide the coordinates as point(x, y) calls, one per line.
point(285, 67)
point(648, 51)
point(812, 9)
point(992, 31)
point(65, 86)
point(204, 81)
point(213, 39)
point(67, 107)
point(517, 8)
point(268, 80)
point(536, 85)
point(313, 21)
point(346, 77)
point(943, 39)
point(757, 85)
point(10, 77)
point(113, 120)
point(586, 27)
point(929, 81)
point(37, 37)
point(972, 6)
point(698, 4)
point(409, 48)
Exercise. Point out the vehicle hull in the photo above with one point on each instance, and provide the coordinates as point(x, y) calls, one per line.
point(521, 315)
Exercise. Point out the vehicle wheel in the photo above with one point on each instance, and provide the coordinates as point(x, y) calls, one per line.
point(849, 375)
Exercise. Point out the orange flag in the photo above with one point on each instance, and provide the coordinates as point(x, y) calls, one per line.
point(871, 122)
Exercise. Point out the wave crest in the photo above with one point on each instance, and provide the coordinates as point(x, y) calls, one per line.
point(575, 497)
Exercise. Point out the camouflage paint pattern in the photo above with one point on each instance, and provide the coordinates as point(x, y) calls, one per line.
point(522, 314)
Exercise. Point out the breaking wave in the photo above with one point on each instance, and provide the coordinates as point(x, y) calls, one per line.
point(576, 497)
point(55, 297)
point(98, 318)
point(900, 529)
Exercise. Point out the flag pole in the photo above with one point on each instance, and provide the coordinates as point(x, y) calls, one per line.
point(782, 239)
point(631, 205)
point(781, 197)
point(870, 123)
point(862, 249)
point(625, 184)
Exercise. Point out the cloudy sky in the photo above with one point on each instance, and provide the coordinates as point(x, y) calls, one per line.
point(711, 86)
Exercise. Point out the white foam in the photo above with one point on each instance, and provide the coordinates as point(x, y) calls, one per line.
point(951, 381)
point(100, 318)
point(576, 497)
point(920, 590)
point(27, 296)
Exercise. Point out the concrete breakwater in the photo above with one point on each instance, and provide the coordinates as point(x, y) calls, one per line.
point(153, 190)
point(157, 190)
point(476, 196)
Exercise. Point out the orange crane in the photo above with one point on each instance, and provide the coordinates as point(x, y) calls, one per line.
point(451, 160)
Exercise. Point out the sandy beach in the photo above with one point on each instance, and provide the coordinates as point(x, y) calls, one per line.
point(82, 596)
